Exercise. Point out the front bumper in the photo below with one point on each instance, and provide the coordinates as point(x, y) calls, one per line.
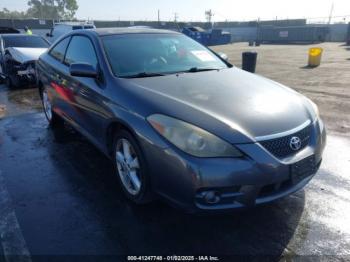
point(25, 73)
point(196, 184)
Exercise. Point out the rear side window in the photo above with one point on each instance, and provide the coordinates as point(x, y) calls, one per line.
point(81, 50)
point(59, 50)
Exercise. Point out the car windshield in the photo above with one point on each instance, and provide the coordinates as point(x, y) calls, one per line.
point(142, 55)
point(30, 41)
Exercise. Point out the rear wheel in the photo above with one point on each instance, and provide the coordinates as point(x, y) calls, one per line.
point(53, 119)
point(131, 168)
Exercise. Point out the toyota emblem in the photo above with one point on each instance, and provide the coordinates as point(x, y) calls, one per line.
point(295, 143)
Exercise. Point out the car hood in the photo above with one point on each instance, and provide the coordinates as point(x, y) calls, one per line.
point(248, 103)
point(23, 55)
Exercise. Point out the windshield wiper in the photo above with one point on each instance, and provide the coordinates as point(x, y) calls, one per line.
point(144, 74)
point(198, 69)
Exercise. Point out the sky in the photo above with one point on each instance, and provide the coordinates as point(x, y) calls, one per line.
point(193, 10)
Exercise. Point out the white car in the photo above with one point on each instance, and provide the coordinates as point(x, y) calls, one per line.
point(18, 55)
point(60, 29)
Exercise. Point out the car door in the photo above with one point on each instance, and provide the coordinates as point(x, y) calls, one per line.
point(87, 103)
point(53, 75)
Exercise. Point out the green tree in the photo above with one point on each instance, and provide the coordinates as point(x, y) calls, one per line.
point(52, 9)
point(67, 8)
point(7, 14)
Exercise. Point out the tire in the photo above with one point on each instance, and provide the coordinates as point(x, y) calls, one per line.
point(12, 82)
point(143, 194)
point(53, 119)
point(2, 75)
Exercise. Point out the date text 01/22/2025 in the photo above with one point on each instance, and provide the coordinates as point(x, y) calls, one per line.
point(173, 258)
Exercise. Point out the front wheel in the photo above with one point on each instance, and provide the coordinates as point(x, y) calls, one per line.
point(52, 117)
point(131, 168)
point(12, 81)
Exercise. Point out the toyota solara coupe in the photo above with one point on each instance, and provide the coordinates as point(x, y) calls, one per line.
point(179, 121)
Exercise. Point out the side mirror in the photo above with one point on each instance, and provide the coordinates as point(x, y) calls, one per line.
point(223, 56)
point(83, 70)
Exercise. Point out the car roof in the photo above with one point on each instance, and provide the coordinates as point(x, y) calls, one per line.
point(132, 30)
point(8, 30)
point(73, 23)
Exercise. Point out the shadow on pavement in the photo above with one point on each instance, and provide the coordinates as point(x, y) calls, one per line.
point(308, 67)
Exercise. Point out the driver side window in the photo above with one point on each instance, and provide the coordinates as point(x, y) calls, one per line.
point(81, 50)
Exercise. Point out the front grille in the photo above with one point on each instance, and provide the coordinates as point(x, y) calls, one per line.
point(280, 147)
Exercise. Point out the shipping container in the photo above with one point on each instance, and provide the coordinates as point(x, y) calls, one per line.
point(198, 34)
point(294, 34)
point(208, 38)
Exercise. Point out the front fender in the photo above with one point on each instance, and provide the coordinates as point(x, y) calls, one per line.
point(136, 124)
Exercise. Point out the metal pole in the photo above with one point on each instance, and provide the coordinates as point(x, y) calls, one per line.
point(331, 14)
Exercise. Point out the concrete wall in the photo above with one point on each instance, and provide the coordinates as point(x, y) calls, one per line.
point(240, 31)
point(242, 34)
point(338, 32)
point(31, 23)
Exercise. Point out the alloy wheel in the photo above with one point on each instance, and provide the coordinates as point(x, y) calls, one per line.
point(128, 166)
point(47, 105)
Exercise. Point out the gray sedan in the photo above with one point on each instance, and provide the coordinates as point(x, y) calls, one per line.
point(178, 121)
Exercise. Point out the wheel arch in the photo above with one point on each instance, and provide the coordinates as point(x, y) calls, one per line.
point(113, 128)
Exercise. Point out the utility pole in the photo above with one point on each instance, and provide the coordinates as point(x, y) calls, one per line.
point(331, 14)
point(176, 16)
point(208, 16)
point(158, 18)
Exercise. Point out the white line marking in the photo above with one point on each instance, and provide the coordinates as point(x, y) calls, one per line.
point(11, 238)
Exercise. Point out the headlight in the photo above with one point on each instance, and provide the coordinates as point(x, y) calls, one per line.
point(316, 115)
point(315, 109)
point(191, 139)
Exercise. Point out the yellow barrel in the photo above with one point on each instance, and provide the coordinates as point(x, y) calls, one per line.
point(315, 55)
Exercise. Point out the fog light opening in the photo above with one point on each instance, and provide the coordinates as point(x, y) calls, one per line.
point(212, 197)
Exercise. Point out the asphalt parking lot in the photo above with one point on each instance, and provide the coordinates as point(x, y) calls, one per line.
point(59, 196)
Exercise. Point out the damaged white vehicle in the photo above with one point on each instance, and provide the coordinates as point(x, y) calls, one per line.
point(18, 55)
